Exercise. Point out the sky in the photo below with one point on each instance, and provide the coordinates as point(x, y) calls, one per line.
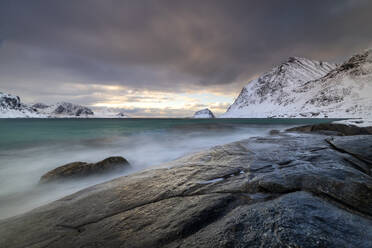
point(165, 58)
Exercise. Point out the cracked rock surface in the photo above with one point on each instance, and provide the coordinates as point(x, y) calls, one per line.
point(285, 190)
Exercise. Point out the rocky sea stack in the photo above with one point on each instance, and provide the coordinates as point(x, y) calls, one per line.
point(204, 113)
point(83, 169)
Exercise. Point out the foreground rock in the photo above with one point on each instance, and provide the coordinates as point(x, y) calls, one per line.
point(279, 191)
point(333, 128)
point(83, 169)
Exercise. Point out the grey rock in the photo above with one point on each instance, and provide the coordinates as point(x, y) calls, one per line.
point(83, 169)
point(277, 191)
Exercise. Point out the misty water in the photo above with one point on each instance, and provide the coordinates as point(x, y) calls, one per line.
point(31, 147)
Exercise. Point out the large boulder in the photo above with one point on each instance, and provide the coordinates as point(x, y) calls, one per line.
point(83, 169)
point(277, 191)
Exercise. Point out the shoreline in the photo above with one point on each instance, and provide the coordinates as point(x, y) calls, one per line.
point(293, 183)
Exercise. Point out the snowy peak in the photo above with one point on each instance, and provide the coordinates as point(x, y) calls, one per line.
point(12, 107)
point(8, 101)
point(204, 113)
point(275, 88)
point(307, 88)
point(64, 109)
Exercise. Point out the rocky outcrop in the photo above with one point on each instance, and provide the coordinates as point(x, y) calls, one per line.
point(333, 128)
point(83, 169)
point(279, 191)
point(204, 113)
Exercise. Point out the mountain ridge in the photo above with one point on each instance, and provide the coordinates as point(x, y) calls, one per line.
point(307, 88)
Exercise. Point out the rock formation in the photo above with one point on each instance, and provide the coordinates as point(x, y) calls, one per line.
point(204, 113)
point(83, 169)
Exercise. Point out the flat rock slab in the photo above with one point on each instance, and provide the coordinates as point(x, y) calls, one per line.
point(277, 191)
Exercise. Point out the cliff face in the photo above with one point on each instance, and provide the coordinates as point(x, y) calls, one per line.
point(305, 88)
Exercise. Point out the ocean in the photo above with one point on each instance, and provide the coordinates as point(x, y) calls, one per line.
point(31, 147)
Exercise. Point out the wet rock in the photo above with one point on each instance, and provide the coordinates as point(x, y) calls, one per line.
point(277, 191)
point(83, 169)
point(332, 129)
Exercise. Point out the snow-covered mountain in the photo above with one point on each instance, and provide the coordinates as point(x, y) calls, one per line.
point(12, 107)
point(204, 113)
point(63, 109)
point(306, 88)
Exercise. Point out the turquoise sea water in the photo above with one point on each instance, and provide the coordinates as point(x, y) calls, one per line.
point(23, 132)
point(31, 147)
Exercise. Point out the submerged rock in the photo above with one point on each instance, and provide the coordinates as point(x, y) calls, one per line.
point(83, 169)
point(277, 191)
point(333, 128)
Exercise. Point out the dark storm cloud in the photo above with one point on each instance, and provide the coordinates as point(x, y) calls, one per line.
point(170, 44)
